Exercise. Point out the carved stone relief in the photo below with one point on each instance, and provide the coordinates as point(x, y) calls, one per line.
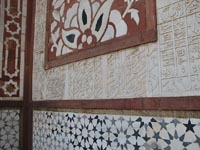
point(77, 28)
point(169, 67)
point(12, 45)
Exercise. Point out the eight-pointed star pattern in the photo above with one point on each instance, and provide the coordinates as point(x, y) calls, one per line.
point(9, 129)
point(63, 130)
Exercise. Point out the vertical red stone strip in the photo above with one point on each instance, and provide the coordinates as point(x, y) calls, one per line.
point(1, 33)
point(11, 23)
point(27, 108)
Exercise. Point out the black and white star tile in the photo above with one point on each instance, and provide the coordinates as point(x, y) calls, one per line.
point(73, 131)
point(9, 129)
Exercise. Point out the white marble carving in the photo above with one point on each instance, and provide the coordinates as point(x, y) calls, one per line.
point(169, 67)
point(91, 21)
point(55, 84)
point(179, 61)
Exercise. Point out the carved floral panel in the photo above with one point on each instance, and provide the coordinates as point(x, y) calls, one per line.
point(85, 28)
point(12, 39)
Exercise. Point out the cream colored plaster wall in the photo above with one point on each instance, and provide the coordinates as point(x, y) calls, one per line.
point(169, 67)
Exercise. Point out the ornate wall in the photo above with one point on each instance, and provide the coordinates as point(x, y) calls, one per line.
point(169, 67)
point(72, 131)
point(12, 46)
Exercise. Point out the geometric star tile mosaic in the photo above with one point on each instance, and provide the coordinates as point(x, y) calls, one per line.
point(73, 131)
point(9, 129)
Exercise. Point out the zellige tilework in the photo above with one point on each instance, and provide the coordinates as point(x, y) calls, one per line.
point(73, 131)
point(9, 129)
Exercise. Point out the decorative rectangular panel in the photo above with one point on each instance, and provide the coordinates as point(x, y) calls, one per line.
point(9, 129)
point(72, 131)
point(12, 31)
point(82, 29)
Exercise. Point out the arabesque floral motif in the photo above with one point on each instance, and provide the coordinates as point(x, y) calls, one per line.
point(84, 23)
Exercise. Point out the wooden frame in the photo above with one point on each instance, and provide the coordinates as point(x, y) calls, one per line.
point(147, 34)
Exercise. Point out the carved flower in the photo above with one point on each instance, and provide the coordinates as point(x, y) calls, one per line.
point(94, 22)
point(87, 23)
point(90, 29)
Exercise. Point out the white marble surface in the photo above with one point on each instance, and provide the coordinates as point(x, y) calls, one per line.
point(168, 67)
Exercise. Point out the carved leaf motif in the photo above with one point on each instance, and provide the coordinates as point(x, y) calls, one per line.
point(99, 23)
point(84, 15)
point(135, 15)
point(56, 15)
point(101, 19)
point(62, 9)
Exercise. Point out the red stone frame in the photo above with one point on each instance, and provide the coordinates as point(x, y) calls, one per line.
point(145, 32)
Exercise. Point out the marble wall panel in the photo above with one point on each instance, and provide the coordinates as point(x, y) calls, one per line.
point(63, 130)
point(168, 67)
point(9, 129)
